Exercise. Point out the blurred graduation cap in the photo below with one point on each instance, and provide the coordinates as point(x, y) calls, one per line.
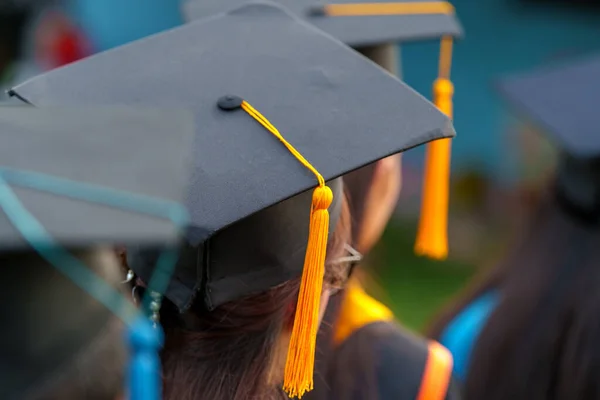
point(248, 73)
point(562, 101)
point(72, 180)
point(45, 153)
point(357, 23)
point(364, 25)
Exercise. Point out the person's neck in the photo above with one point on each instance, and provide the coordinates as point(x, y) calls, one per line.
point(275, 374)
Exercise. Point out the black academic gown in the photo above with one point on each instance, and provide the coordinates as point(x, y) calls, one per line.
point(377, 359)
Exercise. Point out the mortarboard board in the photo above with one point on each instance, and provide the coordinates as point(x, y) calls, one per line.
point(245, 185)
point(363, 24)
point(44, 153)
point(72, 180)
point(562, 101)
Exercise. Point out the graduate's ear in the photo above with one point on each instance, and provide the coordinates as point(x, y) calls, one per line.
point(58, 40)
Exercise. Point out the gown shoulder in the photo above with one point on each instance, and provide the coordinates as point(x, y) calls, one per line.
point(373, 357)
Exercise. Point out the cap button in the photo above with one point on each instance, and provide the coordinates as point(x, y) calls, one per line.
point(316, 11)
point(230, 102)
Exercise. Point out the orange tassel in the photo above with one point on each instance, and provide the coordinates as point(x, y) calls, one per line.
point(299, 367)
point(432, 237)
point(300, 363)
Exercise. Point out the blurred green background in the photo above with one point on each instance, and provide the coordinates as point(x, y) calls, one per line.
point(479, 234)
point(414, 287)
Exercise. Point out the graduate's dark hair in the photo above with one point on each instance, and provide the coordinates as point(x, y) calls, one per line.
point(541, 342)
point(231, 351)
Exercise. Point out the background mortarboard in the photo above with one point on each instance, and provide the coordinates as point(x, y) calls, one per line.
point(356, 31)
point(301, 79)
point(124, 150)
point(49, 157)
point(562, 100)
point(370, 27)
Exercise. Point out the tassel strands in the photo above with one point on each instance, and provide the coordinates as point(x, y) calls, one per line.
point(299, 367)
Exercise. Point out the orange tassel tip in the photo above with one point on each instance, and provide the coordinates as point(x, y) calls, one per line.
point(432, 236)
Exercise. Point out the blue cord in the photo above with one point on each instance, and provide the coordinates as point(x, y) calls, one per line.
point(145, 340)
point(91, 193)
point(172, 211)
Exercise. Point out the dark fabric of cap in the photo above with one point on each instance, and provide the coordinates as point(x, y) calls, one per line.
point(337, 108)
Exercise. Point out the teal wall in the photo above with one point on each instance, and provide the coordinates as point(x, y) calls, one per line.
point(502, 36)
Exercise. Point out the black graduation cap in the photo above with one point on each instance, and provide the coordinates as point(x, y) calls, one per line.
point(72, 180)
point(370, 27)
point(358, 23)
point(562, 101)
point(242, 71)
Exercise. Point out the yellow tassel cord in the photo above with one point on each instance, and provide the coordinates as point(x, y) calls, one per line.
point(432, 236)
point(299, 367)
point(374, 9)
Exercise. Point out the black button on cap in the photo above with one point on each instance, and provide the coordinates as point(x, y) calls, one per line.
point(318, 11)
point(230, 102)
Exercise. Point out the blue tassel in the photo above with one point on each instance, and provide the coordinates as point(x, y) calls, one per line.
point(145, 342)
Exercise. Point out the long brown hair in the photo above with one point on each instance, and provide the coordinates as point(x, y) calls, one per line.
point(541, 340)
point(229, 352)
